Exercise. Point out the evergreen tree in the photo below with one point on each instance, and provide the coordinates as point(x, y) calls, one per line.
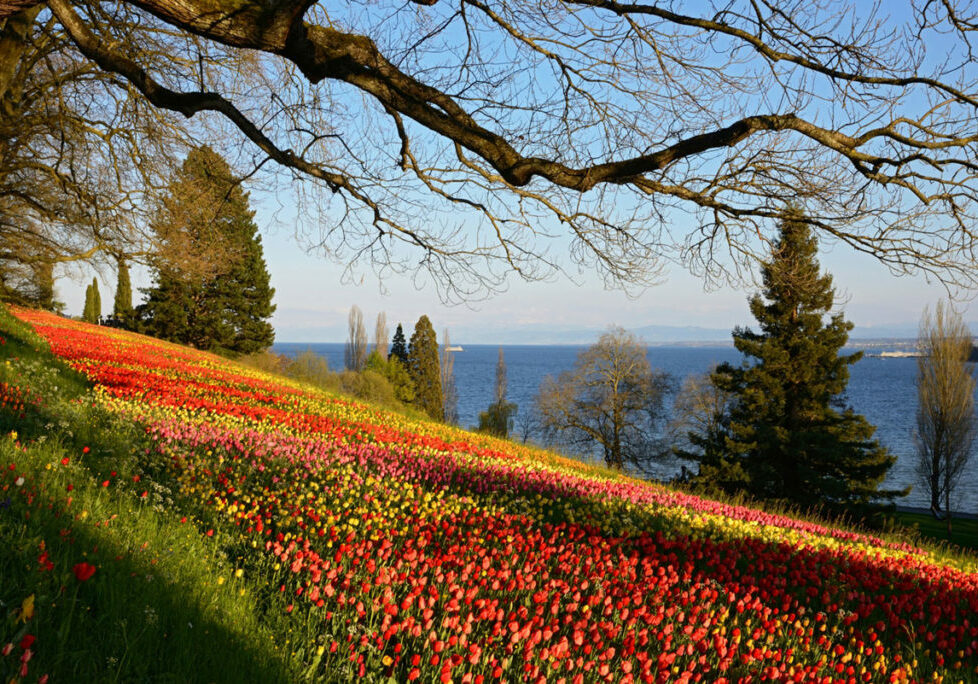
point(96, 302)
point(425, 369)
point(122, 307)
point(399, 347)
point(43, 273)
point(211, 285)
point(88, 313)
point(789, 435)
point(93, 303)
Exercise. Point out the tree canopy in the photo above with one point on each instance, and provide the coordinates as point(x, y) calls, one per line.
point(632, 132)
point(425, 369)
point(946, 422)
point(789, 434)
point(612, 402)
point(211, 286)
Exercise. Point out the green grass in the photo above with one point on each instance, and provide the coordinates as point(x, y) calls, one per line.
point(964, 533)
point(164, 604)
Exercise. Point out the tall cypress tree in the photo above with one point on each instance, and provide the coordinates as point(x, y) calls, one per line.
point(399, 346)
point(96, 302)
point(789, 434)
point(88, 313)
point(425, 369)
point(211, 285)
point(122, 306)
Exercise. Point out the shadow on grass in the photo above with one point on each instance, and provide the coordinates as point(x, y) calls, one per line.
point(146, 614)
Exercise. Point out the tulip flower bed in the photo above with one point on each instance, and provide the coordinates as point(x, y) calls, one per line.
point(389, 549)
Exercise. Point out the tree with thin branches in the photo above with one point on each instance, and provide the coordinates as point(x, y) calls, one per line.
point(380, 335)
point(611, 402)
point(498, 418)
point(521, 127)
point(946, 420)
point(449, 391)
point(355, 353)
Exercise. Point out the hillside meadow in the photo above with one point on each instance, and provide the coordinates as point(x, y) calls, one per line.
point(168, 515)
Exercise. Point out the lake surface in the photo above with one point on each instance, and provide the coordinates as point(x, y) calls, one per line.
point(882, 389)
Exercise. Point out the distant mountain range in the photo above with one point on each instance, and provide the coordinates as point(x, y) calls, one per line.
point(663, 334)
point(884, 335)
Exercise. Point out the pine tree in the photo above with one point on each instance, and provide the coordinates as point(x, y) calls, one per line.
point(425, 369)
point(211, 285)
point(789, 435)
point(122, 306)
point(399, 346)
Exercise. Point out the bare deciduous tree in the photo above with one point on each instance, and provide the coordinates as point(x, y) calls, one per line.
point(946, 421)
point(355, 352)
point(500, 387)
point(611, 402)
point(81, 155)
point(640, 131)
point(381, 334)
point(449, 393)
point(698, 413)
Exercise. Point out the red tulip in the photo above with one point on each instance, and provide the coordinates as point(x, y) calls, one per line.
point(83, 571)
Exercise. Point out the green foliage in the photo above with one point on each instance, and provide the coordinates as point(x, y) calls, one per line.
point(211, 285)
point(28, 284)
point(154, 610)
point(96, 301)
point(498, 418)
point(399, 346)
point(122, 311)
point(92, 312)
point(611, 402)
point(788, 434)
point(425, 369)
point(88, 310)
point(396, 374)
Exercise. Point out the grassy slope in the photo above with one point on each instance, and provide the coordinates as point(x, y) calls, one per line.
point(169, 606)
point(156, 612)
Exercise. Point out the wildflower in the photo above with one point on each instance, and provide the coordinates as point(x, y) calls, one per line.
point(27, 641)
point(83, 571)
point(27, 608)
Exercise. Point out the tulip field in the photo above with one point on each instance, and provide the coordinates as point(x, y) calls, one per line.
point(361, 544)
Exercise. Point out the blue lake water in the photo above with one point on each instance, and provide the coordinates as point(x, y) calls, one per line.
point(882, 389)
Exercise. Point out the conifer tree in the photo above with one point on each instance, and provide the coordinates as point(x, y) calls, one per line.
point(789, 435)
point(96, 302)
point(122, 306)
point(425, 369)
point(88, 313)
point(93, 303)
point(399, 346)
point(211, 285)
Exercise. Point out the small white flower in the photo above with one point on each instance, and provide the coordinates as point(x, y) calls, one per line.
point(19, 481)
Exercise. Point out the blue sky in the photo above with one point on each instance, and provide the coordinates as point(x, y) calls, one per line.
point(313, 301)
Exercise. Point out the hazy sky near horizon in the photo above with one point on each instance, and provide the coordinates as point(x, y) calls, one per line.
point(313, 300)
